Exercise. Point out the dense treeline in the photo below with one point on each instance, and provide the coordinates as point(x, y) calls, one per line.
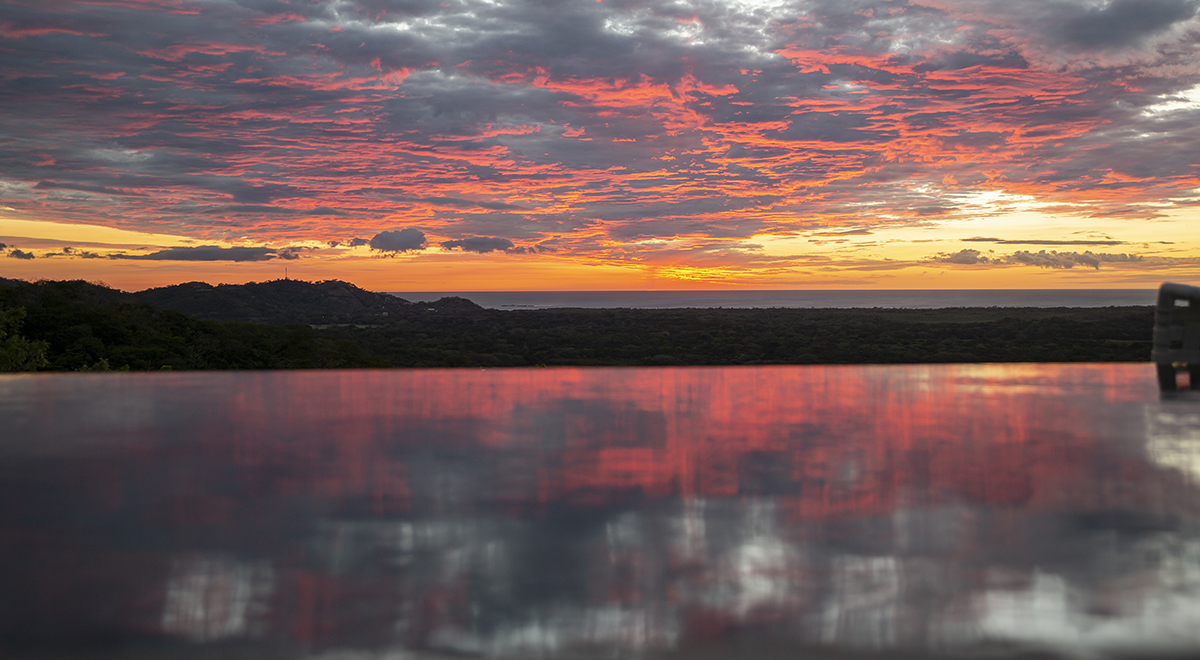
point(89, 327)
point(759, 336)
point(81, 326)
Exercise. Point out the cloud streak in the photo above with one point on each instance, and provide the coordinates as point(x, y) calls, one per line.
point(479, 244)
point(206, 253)
point(1041, 258)
point(1036, 241)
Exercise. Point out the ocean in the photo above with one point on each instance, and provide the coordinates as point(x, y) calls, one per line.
point(802, 298)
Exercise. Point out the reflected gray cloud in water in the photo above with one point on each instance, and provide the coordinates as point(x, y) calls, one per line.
point(606, 512)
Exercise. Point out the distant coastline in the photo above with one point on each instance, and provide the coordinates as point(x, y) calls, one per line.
point(797, 299)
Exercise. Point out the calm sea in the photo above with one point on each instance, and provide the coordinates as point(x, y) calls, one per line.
point(804, 298)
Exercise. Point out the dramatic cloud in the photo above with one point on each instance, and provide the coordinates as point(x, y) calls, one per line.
point(404, 240)
point(293, 252)
point(82, 187)
point(205, 253)
point(1069, 259)
point(1124, 22)
point(20, 254)
point(966, 257)
point(68, 251)
point(599, 128)
point(479, 244)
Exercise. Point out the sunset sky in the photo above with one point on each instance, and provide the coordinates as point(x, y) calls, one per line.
point(459, 145)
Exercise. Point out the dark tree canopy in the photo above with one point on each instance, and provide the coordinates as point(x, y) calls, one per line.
point(286, 324)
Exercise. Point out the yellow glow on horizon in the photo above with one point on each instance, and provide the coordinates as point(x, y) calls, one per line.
point(882, 257)
point(917, 243)
point(512, 273)
point(493, 272)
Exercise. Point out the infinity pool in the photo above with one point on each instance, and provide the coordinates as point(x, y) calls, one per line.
point(946, 510)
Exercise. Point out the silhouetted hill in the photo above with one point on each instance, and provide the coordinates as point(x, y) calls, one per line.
point(92, 327)
point(289, 301)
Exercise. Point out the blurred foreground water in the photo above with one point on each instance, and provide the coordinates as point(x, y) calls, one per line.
point(913, 511)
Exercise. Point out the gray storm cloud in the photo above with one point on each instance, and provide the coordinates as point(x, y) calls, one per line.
point(1123, 22)
point(479, 244)
point(204, 253)
point(403, 240)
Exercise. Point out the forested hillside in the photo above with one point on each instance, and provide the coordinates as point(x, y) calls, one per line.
point(292, 324)
point(277, 301)
point(84, 326)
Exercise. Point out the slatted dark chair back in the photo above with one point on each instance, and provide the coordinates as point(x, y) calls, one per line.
point(1177, 334)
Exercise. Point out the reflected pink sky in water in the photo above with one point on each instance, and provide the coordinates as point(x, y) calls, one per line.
point(541, 512)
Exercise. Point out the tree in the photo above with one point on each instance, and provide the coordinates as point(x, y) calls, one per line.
point(16, 352)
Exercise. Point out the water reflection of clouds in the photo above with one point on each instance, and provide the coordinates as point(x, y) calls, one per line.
point(1173, 437)
point(865, 603)
point(1153, 609)
point(628, 511)
point(691, 569)
point(212, 598)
